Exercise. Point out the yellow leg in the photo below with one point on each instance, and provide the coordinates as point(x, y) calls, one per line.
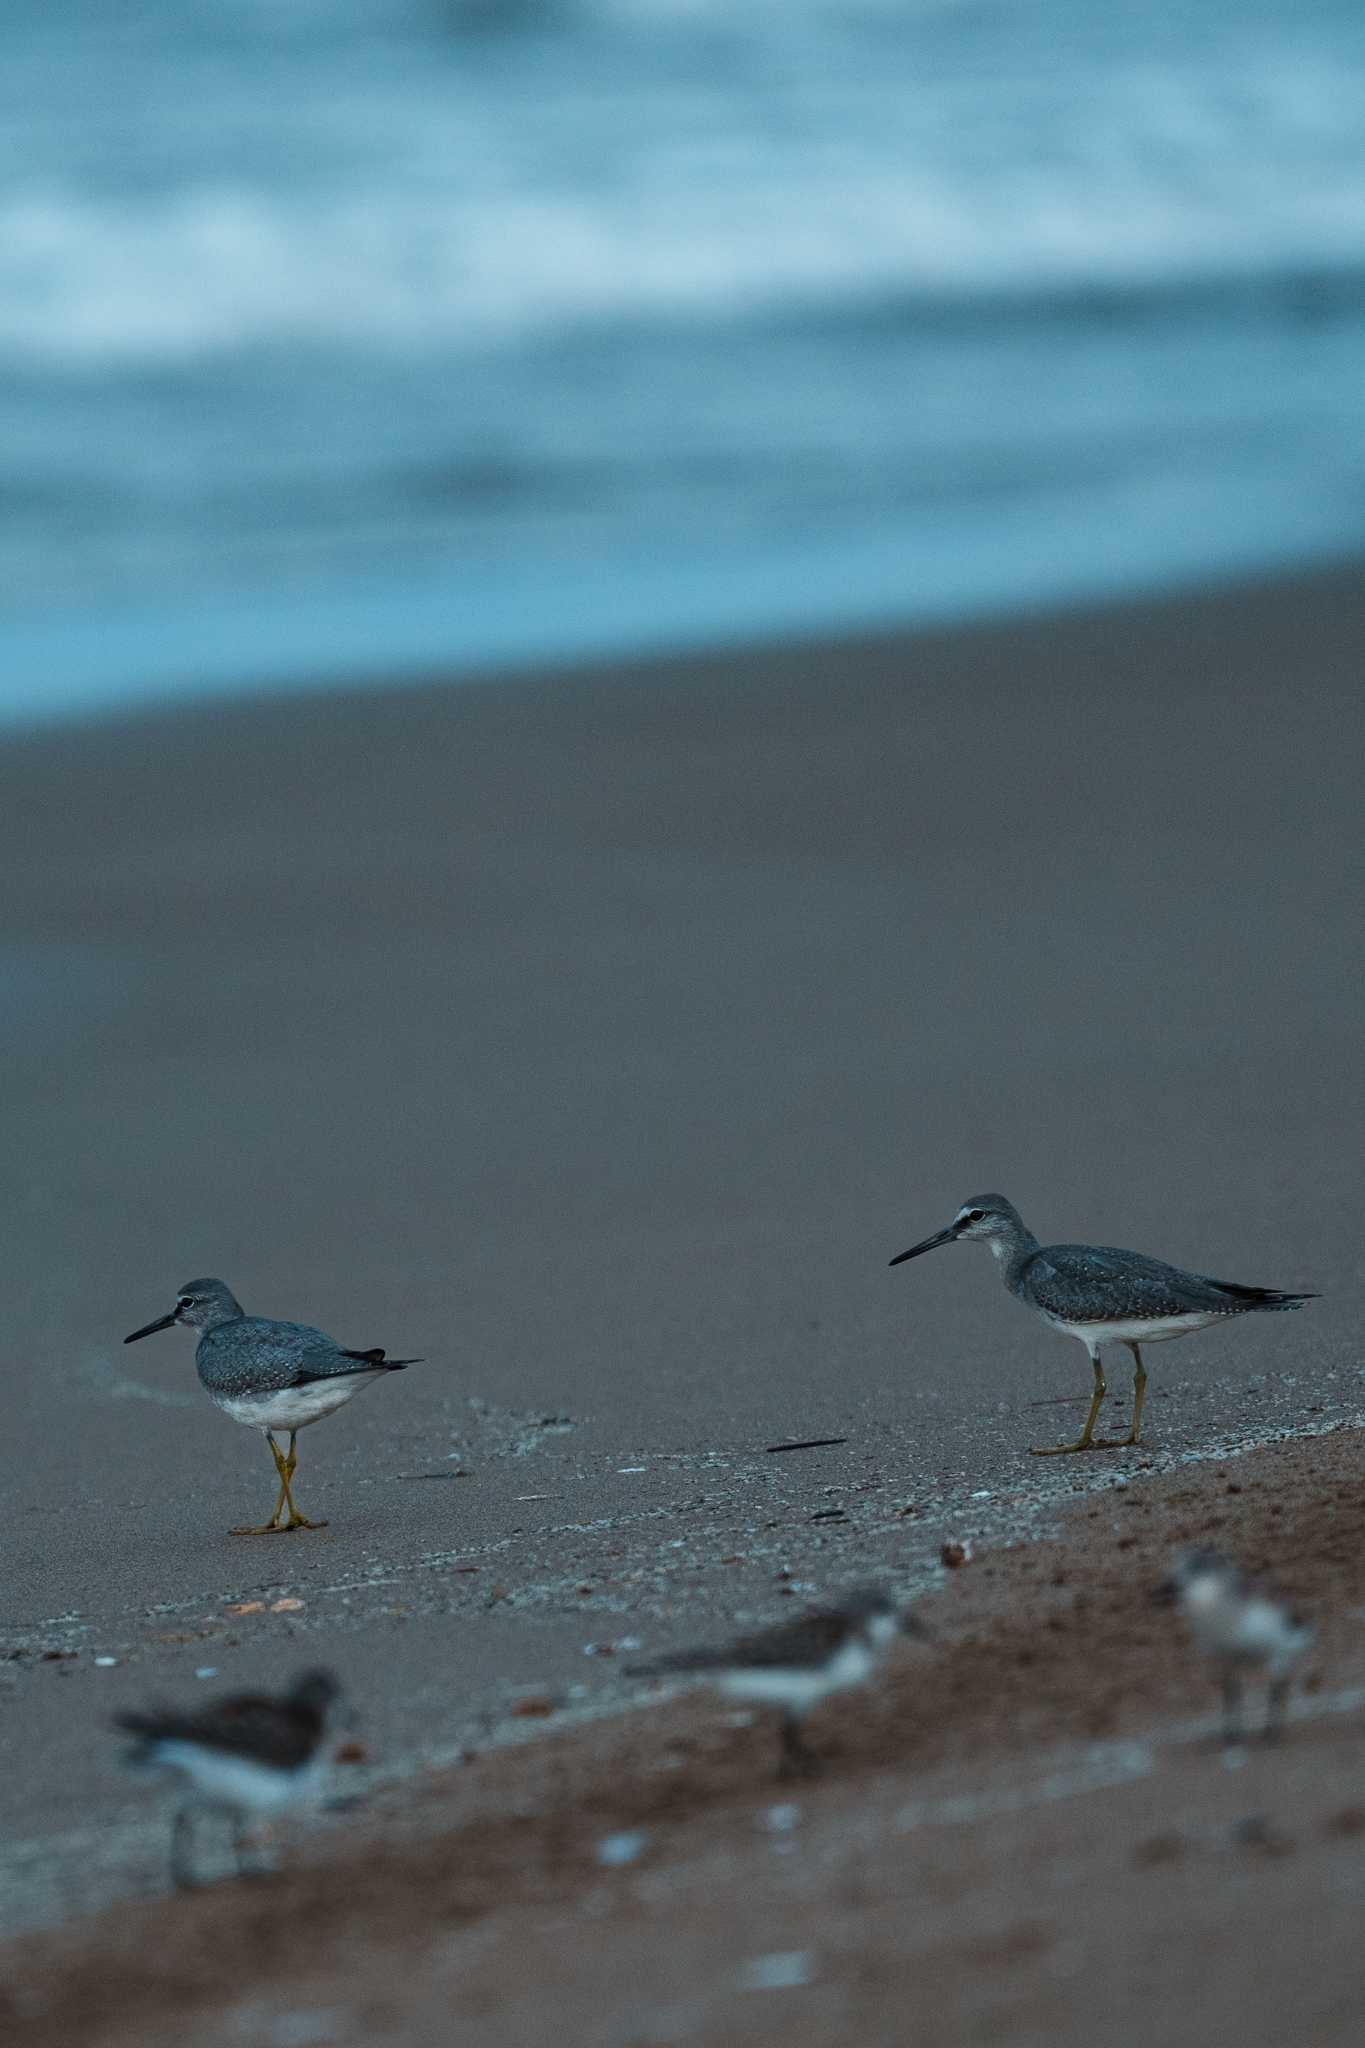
point(1086, 1441)
point(296, 1520)
point(1134, 1435)
point(1124, 1443)
point(274, 1526)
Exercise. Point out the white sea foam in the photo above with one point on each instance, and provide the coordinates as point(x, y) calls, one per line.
point(464, 232)
point(331, 330)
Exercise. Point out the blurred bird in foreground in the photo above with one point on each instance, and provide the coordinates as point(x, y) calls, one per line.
point(798, 1664)
point(1244, 1627)
point(249, 1757)
point(269, 1375)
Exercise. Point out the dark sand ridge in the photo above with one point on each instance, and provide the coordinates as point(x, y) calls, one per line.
point(1024, 1833)
point(601, 1038)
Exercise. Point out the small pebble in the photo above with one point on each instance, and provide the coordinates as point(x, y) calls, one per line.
point(1156, 1849)
point(1258, 1831)
point(106, 1663)
point(780, 1972)
point(614, 1850)
point(306, 2029)
point(954, 1555)
point(782, 1819)
point(207, 1671)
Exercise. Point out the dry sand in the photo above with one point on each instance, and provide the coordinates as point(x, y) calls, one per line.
point(601, 1038)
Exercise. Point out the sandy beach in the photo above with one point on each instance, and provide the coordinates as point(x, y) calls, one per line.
point(600, 1038)
point(1028, 1833)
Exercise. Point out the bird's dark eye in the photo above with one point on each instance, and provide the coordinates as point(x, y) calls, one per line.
point(976, 1215)
point(185, 1301)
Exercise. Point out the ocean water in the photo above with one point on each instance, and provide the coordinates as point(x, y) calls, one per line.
point(354, 335)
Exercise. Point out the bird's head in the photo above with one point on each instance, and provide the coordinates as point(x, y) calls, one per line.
point(199, 1305)
point(1194, 1575)
point(988, 1217)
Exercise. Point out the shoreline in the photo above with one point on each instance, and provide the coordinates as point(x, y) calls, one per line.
point(599, 1039)
point(420, 638)
point(940, 1790)
point(47, 1869)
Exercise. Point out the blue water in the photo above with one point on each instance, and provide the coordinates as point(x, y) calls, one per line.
point(345, 335)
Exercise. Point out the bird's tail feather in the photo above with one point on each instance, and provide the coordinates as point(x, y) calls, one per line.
point(679, 1666)
point(146, 1725)
point(1264, 1297)
point(376, 1357)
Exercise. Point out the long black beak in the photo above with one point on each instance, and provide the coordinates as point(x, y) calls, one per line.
point(161, 1323)
point(929, 1244)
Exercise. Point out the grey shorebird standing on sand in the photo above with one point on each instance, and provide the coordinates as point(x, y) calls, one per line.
point(799, 1663)
point(1101, 1295)
point(248, 1757)
point(1243, 1626)
point(269, 1376)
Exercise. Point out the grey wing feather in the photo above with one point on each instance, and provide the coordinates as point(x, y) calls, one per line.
point(1083, 1282)
point(277, 1732)
point(808, 1637)
point(816, 1634)
point(258, 1353)
point(332, 1364)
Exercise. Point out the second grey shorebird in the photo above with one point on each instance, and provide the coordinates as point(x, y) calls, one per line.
point(799, 1663)
point(1100, 1295)
point(269, 1375)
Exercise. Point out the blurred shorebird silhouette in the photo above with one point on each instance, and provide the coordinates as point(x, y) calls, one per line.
point(1243, 1626)
point(250, 1757)
point(797, 1664)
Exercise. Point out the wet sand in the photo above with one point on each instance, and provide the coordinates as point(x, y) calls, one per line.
point(601, 1038)
point(1026, 1833)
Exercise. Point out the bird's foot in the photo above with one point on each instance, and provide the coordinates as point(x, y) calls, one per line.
point(302, 1522)
point(260, 1529)
point(1091, 1443)
point(791, 1768)
point(797, 1759)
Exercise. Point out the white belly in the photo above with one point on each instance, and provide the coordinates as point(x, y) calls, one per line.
point(236, 1783)
point(799, 1691)
point(295, 1407)
point(1251, 1631)
point(1137, 1332)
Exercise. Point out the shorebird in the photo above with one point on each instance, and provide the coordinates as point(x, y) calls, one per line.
point(1101, 1295)
point(798, 1664)
point(1243, 1626)
point(269, 1376)
point(249, 1757)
